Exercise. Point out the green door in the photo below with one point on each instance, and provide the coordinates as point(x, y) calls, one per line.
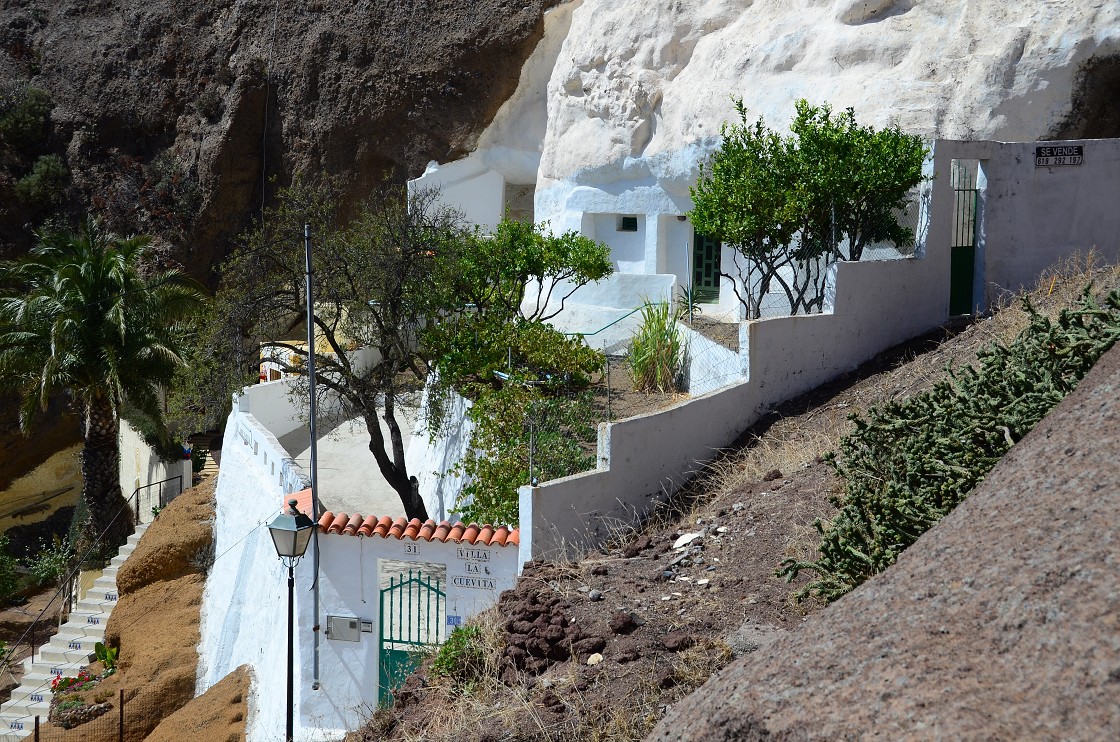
point(705, 269)
point(413, 615)
point(962, 254)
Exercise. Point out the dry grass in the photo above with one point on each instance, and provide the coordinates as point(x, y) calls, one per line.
point(792, 443)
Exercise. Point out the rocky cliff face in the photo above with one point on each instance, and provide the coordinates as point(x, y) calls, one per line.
point(639, 90)
point(175, 117)
point(180, 119)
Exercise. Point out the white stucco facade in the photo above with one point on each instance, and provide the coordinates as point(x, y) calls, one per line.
point(620, 103)
point(245, 599)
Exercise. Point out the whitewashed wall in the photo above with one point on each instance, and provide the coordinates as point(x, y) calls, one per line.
point(431, 460)
point(473, 188)
point(348, 693)
point(870, 307)
point(243, 605)
point(270, 403)
point(140, 466)
point(1031, 217)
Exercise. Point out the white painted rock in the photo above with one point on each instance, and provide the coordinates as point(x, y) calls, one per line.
point(685, 540)
point(627, 97)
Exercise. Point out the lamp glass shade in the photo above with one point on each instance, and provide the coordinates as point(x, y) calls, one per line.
point(291, 532)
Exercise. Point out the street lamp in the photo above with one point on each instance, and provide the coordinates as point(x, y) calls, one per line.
point(291, 530)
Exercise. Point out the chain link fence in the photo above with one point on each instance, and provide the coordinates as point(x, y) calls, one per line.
point(774, 280)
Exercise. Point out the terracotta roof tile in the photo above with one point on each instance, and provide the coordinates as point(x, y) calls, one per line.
point(429, 530)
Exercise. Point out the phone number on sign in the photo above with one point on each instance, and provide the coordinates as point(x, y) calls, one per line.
point(1052, 161)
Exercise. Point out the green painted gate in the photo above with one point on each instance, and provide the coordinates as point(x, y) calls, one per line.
point(413, 614)
point(963, 249)
point(705, 269)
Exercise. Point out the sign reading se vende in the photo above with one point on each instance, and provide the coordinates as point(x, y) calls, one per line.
point(1057, 155)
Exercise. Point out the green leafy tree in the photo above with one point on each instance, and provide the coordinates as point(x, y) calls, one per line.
point(44, 188)
point(497, 292)
point(787, 204)
point(24, 119)
point(492, 344)
point(855, 176)
point(82, 314)
point(376, 289)
point(523, 431)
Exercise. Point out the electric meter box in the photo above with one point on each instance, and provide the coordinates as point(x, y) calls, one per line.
point(344, 628)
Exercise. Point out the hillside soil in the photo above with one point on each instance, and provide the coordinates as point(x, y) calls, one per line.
point(602, 648)
point(1000, 623)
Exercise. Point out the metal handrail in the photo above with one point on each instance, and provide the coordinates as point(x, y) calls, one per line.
point(615, 322)
point(162, 503)
point(67, 590)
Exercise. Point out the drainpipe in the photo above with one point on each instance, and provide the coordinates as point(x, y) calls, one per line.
point(314, 461)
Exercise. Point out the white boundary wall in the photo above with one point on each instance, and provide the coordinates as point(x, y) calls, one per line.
point(1031, 217)
point(1028, 218)
point(870, 307)
point(140, 466)
point(243, 605)
point(430, 461)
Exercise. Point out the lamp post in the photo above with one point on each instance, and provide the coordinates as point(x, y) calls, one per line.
point(291, 530)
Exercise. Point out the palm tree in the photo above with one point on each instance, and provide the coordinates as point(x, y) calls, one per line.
point(79, 315)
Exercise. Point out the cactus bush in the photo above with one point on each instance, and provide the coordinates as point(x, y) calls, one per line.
point(910, 462)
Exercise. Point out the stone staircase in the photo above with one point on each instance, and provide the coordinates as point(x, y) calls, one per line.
point(67, 652)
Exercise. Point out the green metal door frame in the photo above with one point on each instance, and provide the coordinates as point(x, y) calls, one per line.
point(413, 614)
point(705, 268)
point(962, 251)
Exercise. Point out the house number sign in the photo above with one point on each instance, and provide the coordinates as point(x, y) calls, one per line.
point(1053, 156)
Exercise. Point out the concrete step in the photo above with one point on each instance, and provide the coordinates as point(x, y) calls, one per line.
point(100, 595)
point(58, 656)
point(66, 653)
point(42, 667)
point(69, 636)
point(16, 730)
point(29, 708)
point(83, 624)
point(107, 581)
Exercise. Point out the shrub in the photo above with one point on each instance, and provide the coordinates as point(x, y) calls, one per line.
point(461, 658)
point(656, 357)
point(523, 432)
point(912, 461)
point(198, 458)
point(9, 578)
point(44, 187)
point(107, 656)
point(24, 117)
point(52, 562)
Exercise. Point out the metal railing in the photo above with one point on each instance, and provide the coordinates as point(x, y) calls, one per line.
point(127, 715)
point(66, 596)
point(163, 499)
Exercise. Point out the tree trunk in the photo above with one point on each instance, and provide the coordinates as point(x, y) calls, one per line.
point(395, 475)
point(109, 520)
